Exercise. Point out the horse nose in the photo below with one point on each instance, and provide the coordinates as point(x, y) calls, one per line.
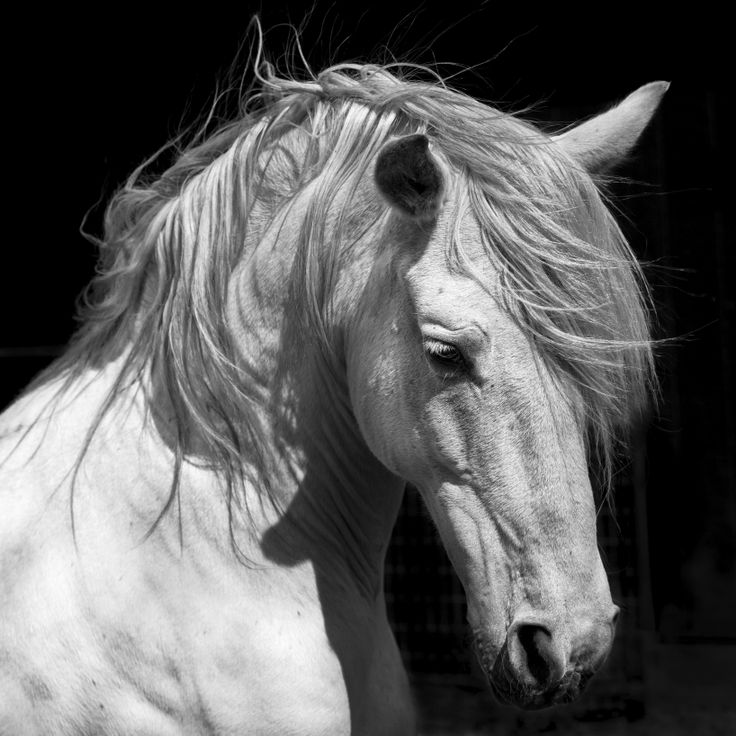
point(536, 658)
point(553, 663)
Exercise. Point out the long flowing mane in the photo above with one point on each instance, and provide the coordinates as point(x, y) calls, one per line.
point(170, 245)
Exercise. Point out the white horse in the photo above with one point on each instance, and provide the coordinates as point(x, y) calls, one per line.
point(365, 282)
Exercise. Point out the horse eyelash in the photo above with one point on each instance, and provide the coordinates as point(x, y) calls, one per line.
point(434, 350)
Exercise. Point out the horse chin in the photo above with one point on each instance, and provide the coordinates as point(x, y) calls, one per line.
point(509, 691)
point(520, 696)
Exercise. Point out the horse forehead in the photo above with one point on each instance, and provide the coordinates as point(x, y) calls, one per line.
point(458, 298)
point(470, 288)
point(457, 230)
point(458, 226)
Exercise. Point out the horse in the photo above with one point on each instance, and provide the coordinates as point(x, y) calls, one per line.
point(366, 279)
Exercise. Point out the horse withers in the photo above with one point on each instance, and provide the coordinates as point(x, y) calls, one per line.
point(363, 282)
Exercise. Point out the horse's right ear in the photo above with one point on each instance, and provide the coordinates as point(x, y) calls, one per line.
point(408, 176)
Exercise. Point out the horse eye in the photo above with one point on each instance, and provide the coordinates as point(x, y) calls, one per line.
point(444, 353)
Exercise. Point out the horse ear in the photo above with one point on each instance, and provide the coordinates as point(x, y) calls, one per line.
point(604, 141)
point(408, 176)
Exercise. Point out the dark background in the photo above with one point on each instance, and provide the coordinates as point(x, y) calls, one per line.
point(88, 96)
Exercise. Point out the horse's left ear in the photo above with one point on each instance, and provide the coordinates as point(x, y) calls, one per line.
point(408, 176)
point(604, 141)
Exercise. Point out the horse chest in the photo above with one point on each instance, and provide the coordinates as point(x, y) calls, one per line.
point(268, 667)
point(284, 662)
point(194, 659)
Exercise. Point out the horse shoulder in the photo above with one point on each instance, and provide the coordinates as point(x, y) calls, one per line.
point(116, 633)
point(52, 664)
point(34, 576)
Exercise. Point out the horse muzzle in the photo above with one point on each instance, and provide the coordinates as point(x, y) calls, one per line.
point(539, 666)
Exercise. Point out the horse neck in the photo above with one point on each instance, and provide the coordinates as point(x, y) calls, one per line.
point(339, 503)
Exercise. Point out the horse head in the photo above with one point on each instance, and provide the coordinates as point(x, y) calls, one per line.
point(482, 378)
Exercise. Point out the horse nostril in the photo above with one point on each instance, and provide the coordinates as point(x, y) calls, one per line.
point(540, 665)
point(539, 660)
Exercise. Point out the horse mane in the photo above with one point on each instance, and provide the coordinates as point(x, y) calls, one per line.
point(170, 245)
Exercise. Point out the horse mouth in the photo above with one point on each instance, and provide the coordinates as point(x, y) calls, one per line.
point(508, 690)
point(565, 691)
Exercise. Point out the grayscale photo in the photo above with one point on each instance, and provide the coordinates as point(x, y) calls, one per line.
point(367, 369)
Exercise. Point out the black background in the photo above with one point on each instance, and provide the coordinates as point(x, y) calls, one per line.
point(89, 95)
